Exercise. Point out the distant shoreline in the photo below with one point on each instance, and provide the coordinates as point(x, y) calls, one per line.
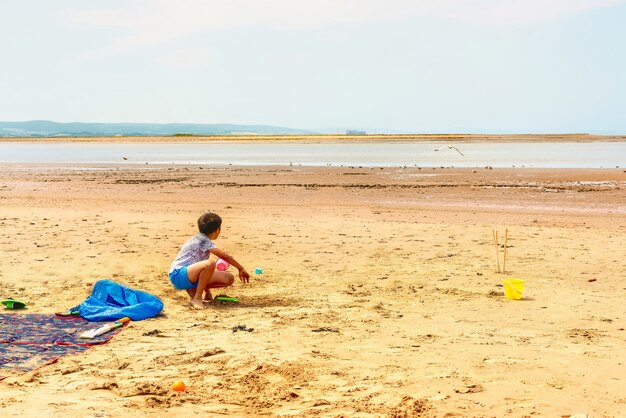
point(520, 138)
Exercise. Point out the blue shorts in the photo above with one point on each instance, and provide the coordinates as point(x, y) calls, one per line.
point(180, 280)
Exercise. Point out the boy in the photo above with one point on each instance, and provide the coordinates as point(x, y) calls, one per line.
point(193, 271)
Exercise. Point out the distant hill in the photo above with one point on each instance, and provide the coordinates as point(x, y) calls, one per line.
point(44, 128)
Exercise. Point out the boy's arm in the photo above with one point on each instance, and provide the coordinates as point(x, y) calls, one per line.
point(243, 274)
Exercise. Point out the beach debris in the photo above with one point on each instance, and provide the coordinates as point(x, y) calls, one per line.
point(242, 328)
point(471, 389)
point(557, 384)
point(325, 329)
point(179, 386)
point(439, 397)
point(258, 270)
point(213, 352)
point(153, 333)
point(450, 147)
point(588, 336)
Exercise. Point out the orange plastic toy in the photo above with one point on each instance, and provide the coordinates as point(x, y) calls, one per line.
point(179, 386)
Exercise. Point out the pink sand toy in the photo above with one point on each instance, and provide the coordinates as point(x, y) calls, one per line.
point(222, 264)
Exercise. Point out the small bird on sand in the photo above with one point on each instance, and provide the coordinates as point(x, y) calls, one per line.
point(450, 147)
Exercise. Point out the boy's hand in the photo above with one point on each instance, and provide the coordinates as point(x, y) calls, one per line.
point(244, 276)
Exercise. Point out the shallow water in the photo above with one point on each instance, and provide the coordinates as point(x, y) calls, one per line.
point(389, 154)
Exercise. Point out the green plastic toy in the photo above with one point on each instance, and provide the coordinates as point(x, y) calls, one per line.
point(225, 298)
point(11, 303)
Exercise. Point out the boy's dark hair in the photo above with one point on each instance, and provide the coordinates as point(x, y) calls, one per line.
point(209, 223)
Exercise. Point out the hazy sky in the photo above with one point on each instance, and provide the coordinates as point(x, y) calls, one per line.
point(392, 65)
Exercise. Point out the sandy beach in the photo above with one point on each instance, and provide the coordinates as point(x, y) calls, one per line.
point(379, 294)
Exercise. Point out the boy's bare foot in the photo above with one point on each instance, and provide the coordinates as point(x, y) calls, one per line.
point(197, 304)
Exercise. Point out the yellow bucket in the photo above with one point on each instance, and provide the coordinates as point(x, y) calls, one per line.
point(513, 288)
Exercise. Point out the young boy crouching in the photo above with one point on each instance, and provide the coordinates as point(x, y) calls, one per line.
point(194, 272)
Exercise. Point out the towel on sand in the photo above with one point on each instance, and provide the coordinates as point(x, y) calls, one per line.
point(28, 341)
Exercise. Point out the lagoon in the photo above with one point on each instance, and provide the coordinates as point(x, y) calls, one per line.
point(366, 154)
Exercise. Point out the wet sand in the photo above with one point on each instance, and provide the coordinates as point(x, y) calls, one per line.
point(379, 296)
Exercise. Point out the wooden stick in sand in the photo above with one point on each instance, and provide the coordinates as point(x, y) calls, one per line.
point(495, 244)
point(493, 238)
point(506, 236)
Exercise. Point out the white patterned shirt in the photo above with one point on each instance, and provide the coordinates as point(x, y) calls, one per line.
point(197, 248)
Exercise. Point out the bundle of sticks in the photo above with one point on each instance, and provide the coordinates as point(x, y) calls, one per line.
point(497, 245)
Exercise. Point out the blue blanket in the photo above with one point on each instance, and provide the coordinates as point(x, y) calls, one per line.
point(110, 301)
